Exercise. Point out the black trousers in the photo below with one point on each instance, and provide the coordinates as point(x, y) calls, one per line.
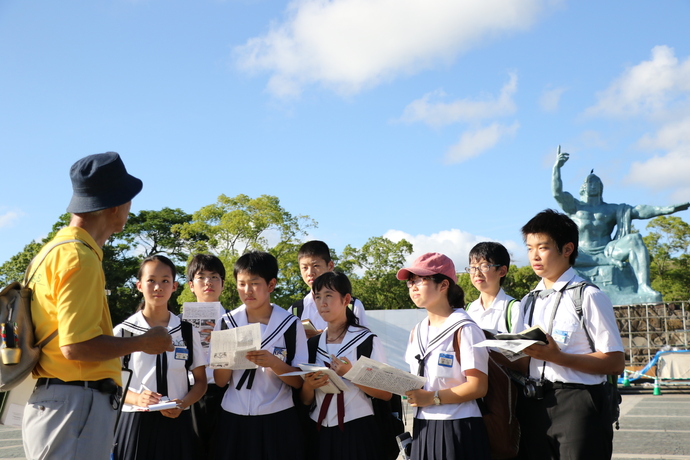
point(568, 424)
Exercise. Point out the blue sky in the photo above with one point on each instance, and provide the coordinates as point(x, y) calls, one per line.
point(432, 120)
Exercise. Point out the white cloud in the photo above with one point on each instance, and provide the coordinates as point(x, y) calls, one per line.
point(670, 170)
point(673, 135)
point(454, 243)
point(9, 218)
point(550, 98)
point(475, 142)
point(662, 172)
point(438, 114)
point(648, 88)
point(347, 45)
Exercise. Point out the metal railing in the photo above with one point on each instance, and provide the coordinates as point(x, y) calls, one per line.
point(648, 328)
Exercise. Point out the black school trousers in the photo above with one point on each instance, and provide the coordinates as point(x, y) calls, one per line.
point(568, 424)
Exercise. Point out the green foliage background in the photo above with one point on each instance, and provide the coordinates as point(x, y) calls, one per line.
point(232, 226)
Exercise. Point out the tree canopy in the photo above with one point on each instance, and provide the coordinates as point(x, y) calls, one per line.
point(232, 226)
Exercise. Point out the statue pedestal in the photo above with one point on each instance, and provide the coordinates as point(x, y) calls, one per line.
point(619, 283)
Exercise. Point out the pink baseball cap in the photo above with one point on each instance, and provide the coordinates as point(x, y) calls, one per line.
point(431, 263)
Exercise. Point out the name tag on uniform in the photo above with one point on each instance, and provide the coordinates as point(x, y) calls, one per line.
point(181, 353)
point(445, 360)
point(280, 352)
point(561, 337)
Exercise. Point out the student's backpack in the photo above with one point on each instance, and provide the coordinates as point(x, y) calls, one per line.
point(613, 396)
point(21, 351)
point(387, 414)
point(508, 315)
point(498, 409)
point(298, 307)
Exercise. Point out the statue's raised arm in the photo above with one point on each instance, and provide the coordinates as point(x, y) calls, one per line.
point(564, 199)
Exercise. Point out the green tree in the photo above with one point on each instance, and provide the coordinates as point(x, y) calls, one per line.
point(232, 226)
point(150, 232)
point(519, 281)
point(670, 261)
point(379, 259)
point(471, 292)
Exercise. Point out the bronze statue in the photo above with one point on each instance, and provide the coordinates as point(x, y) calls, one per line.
point(604, 259)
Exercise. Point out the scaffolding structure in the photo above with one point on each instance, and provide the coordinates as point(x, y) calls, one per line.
point(649, 328)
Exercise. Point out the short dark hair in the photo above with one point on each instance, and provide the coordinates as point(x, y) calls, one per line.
point(492, 252)
point(258, 263)
point(559, 227)
point(205, 263)
point(315, 248)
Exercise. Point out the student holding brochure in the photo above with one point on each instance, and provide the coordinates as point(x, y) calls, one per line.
point(259, 420)
point(447, 423)
point(344, 427)
point(168, 433)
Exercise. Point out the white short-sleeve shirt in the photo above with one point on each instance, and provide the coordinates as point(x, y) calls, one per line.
point(598, 318)
point(268, 394)
point(143, 365)
point(493, 318)
point(441, 367)
point(357, 403)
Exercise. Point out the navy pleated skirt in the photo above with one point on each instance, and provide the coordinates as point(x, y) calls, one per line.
point(261, 437)
point(359, 440)
point(460, 439)
point(151, 436)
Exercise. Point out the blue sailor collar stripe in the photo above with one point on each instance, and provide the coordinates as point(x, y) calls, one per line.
point(134, 328)
point(425, 345)
point(346, 347)
point(238, 317)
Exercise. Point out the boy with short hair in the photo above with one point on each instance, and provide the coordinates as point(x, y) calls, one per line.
point(259, 401)
point(206, 278)
point(494, 310)
point(569, 416)
point(314, 259)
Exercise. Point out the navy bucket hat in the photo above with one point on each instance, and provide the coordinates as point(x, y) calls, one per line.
point(101, 181)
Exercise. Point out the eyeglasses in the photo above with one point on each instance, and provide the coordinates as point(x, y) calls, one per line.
point(481, 267)
point(417, 282)
point(207, 279)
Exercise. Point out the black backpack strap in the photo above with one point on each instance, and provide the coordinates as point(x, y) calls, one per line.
point(312, 346)
point(290, 337)
point(127, 357)
point(297, 308)
point(578, 294)
point(365, 348)
point(189, 342)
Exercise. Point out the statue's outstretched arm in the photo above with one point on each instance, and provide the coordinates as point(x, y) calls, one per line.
point(644, 211)
point(564, 199)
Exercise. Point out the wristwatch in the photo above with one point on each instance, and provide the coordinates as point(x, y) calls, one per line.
point(437, 400)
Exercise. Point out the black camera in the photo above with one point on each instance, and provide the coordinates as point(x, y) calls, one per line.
point(533, 389)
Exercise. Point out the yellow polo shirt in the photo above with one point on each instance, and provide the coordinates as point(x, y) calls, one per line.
point(69, 295)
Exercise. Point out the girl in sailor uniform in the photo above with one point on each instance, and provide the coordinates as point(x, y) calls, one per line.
point(344, 427)
point(259, 420)
point(447, 423)
point(165, 434)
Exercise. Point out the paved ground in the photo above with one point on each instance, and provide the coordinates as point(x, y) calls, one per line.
point(651, 428)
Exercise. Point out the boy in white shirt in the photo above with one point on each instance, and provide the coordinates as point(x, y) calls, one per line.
point(314, 259)
point(567, 415)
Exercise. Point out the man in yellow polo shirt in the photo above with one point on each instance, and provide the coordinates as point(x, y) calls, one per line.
point(72, 411)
